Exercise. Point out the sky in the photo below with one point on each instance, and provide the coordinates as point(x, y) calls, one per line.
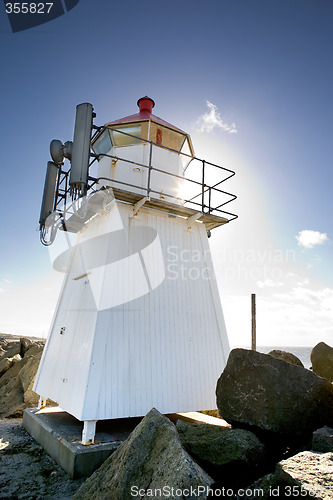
point(249, 80)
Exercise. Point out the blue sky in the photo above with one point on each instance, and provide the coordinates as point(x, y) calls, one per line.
point(264, 65)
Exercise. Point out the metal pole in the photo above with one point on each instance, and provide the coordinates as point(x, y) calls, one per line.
point(253, 329)
point(149, 169)
point(203, 187)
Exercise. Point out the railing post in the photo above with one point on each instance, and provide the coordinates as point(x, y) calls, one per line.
point(253, 323)
point(203, 187)
point(149, 168)
point(55, 203)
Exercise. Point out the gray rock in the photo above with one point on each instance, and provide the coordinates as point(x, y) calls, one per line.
point(286, 356)
point(7, 363)
point(150, 459)
point(322, 360)
point(16, 384)
point(260, 392)
point(231, 456)
point(322, 440)
point(10, 349)
point(26, 343)
point(306, 475)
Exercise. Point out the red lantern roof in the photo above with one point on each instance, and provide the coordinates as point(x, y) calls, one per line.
point(146, 105)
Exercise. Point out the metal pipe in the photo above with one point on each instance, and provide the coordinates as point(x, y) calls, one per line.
point(203, 187)
point(253, 323)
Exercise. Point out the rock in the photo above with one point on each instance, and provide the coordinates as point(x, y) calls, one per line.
point(286, 356)
point(25, 343)
point(231, 456)
point(7, 363)
point(322, 360)
point(306, 475)
point(10, 349)
point(152, 458)
point(261, 393)
point(16, 384)
point(322, 440)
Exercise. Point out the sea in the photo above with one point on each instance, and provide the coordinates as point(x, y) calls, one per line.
point(303, 353)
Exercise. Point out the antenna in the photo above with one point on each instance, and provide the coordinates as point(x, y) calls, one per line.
point(49, 192)
point(59, 151)
point(81, 149)
point(49, 195)
point(56, 180)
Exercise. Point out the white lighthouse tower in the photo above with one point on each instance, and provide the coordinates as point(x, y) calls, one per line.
point(139, 322)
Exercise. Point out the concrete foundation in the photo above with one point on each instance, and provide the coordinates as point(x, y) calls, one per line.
point(59, 433)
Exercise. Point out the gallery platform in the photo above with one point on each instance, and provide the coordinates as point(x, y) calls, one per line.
point(59, 433)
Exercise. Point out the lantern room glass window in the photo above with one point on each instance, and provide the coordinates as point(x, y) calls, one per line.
point(119, 138)
point(102, 144)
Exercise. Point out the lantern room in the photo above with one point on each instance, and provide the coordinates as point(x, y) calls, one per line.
point(146, 140)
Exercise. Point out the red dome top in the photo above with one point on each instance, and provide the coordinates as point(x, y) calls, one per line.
point(146, 105)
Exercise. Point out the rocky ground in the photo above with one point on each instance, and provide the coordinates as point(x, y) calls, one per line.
point(278, 441)
point(26, 471)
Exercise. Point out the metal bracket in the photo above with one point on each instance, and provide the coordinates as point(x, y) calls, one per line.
point(192, 219)
point(138, 205)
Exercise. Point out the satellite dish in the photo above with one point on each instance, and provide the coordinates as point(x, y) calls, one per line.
point(57, 151)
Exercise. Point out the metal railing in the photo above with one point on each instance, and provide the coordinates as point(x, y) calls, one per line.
point(202, 189)
point(202, 199)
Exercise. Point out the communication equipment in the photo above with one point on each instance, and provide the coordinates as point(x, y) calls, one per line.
point(49, 193)
point(57, 180)
point(81, 149)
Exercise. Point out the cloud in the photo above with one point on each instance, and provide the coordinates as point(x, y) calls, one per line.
point(308, 238)
point(269, 284)
point(309, 297)
point(212, 119)
point(8, 282)
point(299, 316)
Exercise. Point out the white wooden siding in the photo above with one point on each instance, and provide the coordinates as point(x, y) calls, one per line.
point(162, 345)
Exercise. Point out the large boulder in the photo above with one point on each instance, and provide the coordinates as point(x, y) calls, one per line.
point(151, 461)
point(261, 393)
point(322, 360)
point(16, 384)
point(306, 475)
point(286, 356)
point(322, 440)
point(231, 456)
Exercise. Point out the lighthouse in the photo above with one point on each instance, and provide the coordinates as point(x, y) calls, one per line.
point(139, 322)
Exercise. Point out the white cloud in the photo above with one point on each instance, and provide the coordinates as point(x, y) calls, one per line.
point(308, 238)
point(269, 284)
point(208, 121)
point(300, 316)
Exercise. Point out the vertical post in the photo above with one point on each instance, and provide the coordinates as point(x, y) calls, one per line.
point(203, 187)
point(88, 433)
point(149, 169)
point(253, 325)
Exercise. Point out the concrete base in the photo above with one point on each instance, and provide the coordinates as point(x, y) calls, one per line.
point(59, 433)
